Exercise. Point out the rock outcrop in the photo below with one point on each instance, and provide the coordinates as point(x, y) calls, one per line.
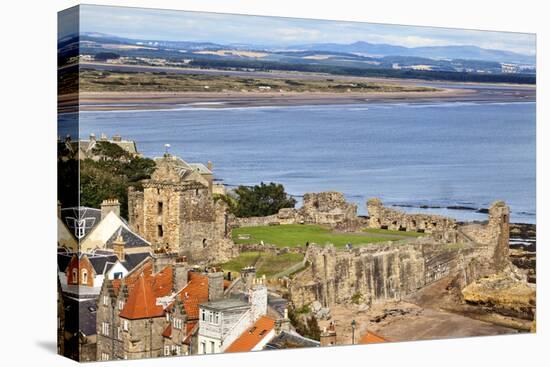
point(502, 294)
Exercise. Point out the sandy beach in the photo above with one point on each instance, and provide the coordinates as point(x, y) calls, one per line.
point(96, 101)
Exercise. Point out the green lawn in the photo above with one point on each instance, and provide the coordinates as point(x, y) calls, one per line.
point(392, 232)
point(265, 263)
point(292, 235)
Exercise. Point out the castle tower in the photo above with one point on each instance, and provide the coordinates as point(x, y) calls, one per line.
point(179, 213)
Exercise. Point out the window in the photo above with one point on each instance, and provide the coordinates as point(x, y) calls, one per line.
point(75, 276)
point(216, 318)
point(203, 347)
point(125, 325)
point(160, 231)
point(203, 315)
point(117, 275)
point(119, 333)
point(159, 208)
point(212, 347)
point(84, 276)
point(105, 328)
point(177, 323)
point(120, 305)
point(178, 350)
point(166, 350)
point(80, 231)
point(210, 317)
point(105, 300)
point(105, 356)
point(167, 317)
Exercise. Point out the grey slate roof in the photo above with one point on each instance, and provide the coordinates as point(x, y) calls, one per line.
point(288, 340)
point(63, 259)
point(132, 240)
point(133, 260)
point(200, 168)
point(82, 216)
point(80, 315)
point(99, 262)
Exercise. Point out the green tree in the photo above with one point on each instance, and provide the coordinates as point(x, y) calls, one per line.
point(110, 177)
point(261, 200)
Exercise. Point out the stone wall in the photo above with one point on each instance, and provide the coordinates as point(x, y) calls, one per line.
point(392, 270)
point(387, 218)
point(324, 208)
point(328, 208)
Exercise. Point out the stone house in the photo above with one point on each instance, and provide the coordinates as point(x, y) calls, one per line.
point(154, 310)
point(93, 245)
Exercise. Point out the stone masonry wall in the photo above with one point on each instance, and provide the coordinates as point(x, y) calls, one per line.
point(387, 218)
point(393, 270)
point(324, 208)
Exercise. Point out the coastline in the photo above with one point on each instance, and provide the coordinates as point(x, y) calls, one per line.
point(105, 101)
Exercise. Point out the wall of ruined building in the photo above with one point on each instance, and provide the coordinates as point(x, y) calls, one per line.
point(135, 210)
point(387, 218)
point(393, 270)
point(193, 224)
point(329, 208)
point(324, 208)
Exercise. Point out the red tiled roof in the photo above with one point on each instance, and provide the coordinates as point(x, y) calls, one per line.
point(189, 328)
point(370, 338)
point(253, 335)
point(194, 293)
point(167, 333)
point(142, 301)
point(162, 282)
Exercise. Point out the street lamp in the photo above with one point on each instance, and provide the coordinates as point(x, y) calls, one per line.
point(353, 325)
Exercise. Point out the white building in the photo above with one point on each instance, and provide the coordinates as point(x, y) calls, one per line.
point(222, 322)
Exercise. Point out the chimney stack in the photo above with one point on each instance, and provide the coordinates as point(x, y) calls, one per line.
point(215, 286)
point(110, 205)
point(210, 166)
point(257, 297)
point(119, 248)
point(92, 137)
point(180, 271)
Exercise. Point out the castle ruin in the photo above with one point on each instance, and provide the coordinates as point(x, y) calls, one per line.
point(177, 213)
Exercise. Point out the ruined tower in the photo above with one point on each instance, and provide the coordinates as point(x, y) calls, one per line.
point(499, 229)
point(176, 211)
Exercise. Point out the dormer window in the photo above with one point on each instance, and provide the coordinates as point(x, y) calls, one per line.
point(84, 276)
point(75, 276)
point(120, 305)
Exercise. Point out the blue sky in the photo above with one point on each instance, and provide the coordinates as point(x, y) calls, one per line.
point(223, 28)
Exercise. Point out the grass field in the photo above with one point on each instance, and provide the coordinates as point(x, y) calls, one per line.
point(266, 264)
point(292, 235)
point(118, 81)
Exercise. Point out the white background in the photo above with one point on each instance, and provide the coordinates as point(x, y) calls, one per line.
point(28, 172)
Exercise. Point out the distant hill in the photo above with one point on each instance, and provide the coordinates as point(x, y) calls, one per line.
point(434, 52)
